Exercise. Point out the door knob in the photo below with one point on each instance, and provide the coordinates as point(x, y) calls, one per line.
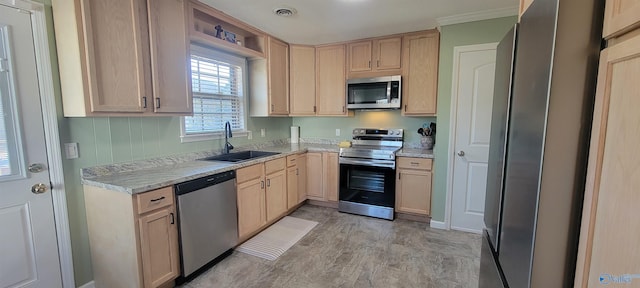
point(460, 153)
point(39, 188)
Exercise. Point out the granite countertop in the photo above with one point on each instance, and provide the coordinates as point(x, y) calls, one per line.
point(146, 175)
point(415, 152)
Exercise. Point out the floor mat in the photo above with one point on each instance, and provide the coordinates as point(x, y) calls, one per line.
point(278, 238)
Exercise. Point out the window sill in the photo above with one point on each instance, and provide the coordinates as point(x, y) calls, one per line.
point(211, 136)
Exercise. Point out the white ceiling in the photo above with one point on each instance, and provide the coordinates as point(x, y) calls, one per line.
point(329, 21)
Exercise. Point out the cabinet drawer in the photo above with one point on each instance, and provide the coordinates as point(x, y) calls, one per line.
point(414, 163)
point(249, 173)
point(152, 200)
point(274, 165)
point(292, 160)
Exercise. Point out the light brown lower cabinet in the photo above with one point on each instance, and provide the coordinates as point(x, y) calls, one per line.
point(252, 212)
point(322, 176)
point(262, 195)
point(134, 238)
point(413, 185)
point(276, 188)
point(302, 177)
point(293, 180)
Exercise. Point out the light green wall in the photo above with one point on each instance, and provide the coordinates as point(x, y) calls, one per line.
point(325, 127)
point(479, 32)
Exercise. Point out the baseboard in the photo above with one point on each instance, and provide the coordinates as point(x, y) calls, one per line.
point(437, 225)
point(89, 284)
point(327, 204)
point(412, 217)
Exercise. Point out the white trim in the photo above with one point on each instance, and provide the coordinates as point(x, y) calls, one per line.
point(52, 138)
point(437, 225)
point(457, 51)
point(477, 16)
point(467, 230)
point(90, 284)
point(206, 136)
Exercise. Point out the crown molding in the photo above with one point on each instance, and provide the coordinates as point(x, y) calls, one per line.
point(477, 16)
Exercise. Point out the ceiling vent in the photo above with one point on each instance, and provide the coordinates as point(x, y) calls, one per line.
point(284, 11)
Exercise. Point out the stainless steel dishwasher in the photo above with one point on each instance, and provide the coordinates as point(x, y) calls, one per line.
point(208, 221)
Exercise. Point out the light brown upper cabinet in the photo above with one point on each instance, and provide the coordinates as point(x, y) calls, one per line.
point(620, 16)
point(269, 81)
point(331, 81)
point(123, 57)
point(420, 73)
point(381, 55)
point(302, 93)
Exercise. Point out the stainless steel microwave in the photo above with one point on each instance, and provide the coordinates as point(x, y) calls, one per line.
point(374, 93)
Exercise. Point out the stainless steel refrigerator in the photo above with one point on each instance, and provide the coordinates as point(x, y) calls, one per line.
point(543, 102)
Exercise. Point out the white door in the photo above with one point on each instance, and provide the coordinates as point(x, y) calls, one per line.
point(474, 69)
point(28, 245)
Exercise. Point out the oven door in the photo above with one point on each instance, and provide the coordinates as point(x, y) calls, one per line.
point(366, 184)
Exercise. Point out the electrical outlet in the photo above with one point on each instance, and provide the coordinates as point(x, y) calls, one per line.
point(337, 132)
point(249, 135)
point(71, 150)
point(262, 132)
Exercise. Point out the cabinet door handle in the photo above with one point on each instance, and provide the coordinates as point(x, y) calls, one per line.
point(144, 102)
point(369, 64)
point(157, 199)
point(268, 182)
point(378, 64)
point(399, 176)
point(271, 107)
point(405, 107)
point(343, 109)
point(157, 103)
point(261, 184)
point(173, 218)
point(297, 172)
point(314, 109)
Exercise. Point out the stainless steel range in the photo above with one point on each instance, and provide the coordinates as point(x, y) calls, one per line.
point(367, 172)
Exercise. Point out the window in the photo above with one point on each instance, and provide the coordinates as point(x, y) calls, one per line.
point(217, 81)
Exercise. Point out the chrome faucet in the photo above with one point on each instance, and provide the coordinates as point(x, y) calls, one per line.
point(227, 135)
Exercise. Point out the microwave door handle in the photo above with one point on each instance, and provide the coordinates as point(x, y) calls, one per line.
point(389, 92)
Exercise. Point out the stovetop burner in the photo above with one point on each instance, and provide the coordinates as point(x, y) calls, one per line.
point(374, 144)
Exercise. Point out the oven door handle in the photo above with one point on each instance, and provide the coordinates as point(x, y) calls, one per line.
point(368, 162)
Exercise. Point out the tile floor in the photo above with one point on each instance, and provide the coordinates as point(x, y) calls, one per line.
point(347, 250)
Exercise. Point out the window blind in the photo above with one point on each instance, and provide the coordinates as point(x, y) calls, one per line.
point(217, 95)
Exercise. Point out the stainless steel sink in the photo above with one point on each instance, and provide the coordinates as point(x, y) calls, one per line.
point(240, 156)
